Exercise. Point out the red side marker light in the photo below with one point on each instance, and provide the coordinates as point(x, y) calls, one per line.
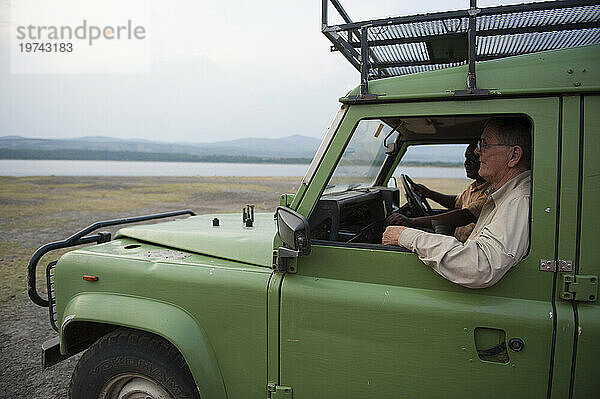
point(89, 277)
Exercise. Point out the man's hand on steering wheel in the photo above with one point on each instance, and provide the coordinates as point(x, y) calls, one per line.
point(418, 204)
point(420, 189)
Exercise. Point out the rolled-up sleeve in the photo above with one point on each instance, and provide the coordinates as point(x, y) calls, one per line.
point(484, 258)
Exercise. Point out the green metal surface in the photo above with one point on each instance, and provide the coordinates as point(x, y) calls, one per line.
point(566, 229)
point(230, 240)
point(588, 343)
point(551, 72)
point(286, 199)
point(363, 323)
point(225, 299)
point(355, 339)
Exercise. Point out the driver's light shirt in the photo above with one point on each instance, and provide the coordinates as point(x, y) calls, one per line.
point(499, 240)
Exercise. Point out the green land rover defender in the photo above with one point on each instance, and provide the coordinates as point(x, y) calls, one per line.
point(308, 303)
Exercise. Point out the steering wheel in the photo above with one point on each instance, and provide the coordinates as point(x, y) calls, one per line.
point(417, 204)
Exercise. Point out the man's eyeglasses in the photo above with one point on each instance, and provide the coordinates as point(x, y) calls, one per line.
point(481, 146)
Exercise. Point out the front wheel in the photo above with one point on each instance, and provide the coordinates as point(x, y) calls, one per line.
point(127, 364)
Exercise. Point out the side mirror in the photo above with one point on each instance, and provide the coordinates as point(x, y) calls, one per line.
point(294, 232)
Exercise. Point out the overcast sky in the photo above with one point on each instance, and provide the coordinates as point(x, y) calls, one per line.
point(218, 71)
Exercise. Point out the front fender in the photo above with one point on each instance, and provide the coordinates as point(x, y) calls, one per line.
point(163, 319)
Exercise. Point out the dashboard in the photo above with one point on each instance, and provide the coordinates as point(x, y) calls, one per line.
point(354, 215)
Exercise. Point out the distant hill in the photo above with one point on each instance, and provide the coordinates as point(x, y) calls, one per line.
point(91, 155)
point(11, 138)
point(287, 147)
point(291, 149)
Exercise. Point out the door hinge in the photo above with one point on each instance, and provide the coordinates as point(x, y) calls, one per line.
point(578, 287)
point(549, 265)
point(275, 391)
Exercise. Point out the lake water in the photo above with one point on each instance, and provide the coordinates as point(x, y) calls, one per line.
point(10, 167)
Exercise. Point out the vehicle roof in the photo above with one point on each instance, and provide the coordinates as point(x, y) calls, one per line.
point(573, 70)
point(393, 46)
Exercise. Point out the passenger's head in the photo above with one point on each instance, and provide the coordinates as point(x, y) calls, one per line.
point(472, 162)
point(504, 149)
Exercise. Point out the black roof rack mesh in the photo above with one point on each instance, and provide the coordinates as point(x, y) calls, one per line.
point(411, 44)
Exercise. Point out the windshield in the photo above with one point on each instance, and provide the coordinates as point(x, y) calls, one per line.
point(363, 157)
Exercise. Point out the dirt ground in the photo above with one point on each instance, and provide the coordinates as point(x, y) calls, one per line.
point(37, 210)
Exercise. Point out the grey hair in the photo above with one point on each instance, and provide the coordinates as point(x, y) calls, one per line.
point(513, 130)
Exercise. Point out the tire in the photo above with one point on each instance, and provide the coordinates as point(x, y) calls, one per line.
point(132, 364)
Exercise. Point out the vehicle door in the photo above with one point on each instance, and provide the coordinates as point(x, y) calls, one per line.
point(376, 322)
point(578, 332)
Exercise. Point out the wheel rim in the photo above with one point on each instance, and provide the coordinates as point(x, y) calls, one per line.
point(133, 386)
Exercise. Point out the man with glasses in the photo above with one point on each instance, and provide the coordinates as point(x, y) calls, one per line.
point(500, 238)
point(464, 209)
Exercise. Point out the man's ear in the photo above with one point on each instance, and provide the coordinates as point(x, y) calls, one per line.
point(515, 156)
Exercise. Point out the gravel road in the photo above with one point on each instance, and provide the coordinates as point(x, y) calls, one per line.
point(24, 326)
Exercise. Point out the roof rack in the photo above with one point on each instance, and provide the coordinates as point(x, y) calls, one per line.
point(410, 44)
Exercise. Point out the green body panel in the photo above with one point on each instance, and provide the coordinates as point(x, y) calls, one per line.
point(230, 240)
point(166, 320)
point(352, 339)
point(588, 345)
point(567, 229)
point(561, 71)
point(225, 299)
point(387, 318)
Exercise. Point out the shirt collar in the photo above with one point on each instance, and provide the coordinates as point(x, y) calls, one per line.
point(509, 185)
point(482, 187)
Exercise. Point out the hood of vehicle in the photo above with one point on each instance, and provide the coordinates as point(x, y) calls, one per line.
point(230, 240)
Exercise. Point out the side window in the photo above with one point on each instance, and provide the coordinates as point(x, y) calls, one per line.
point(440, 167)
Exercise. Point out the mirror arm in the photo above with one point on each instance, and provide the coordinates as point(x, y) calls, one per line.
point(283, 257)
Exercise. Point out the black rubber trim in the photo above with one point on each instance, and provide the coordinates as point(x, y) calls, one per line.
point(575, 340)
point(279, 317)
point(278, 300)
point(359, 245)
